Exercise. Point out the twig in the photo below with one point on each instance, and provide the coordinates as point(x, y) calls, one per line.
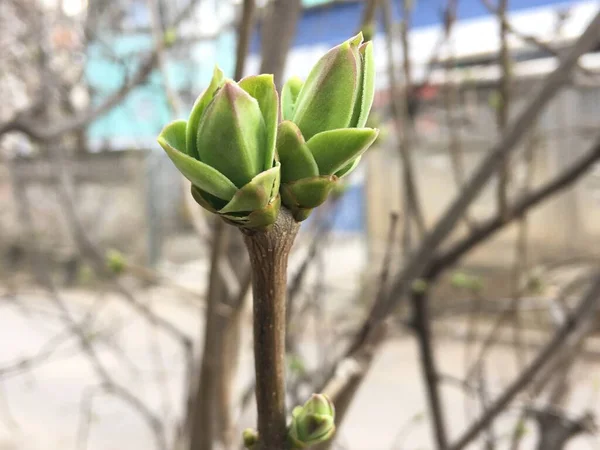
point(482, 174)
point(202, 425)
point(486, 229)
point(46, 133)
point(503, 106)
point(585, 308)
point(277, 35)
point(421, 324)
point(531, 39)
point(403, 122)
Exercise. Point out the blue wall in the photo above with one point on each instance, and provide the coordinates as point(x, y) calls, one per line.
point(332, 24)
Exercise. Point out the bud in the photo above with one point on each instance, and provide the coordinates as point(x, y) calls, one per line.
point(322, 136)
point(115, 261)
point(312, 423)
point(250, 438)
point(226, 149)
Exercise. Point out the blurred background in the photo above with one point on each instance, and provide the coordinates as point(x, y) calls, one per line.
point(110, 270)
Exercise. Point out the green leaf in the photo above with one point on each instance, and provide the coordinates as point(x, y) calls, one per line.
point(326, 100)
point(297, 161)
point(289, 95)
point(198, 110)
point(200, 174)
point(203, 199)
point(348, 168)
point(232, 135)
point(259, 219)
point(334, 149)
point(262, 88)
point(364, 100)
point(256, 194)
point(308, 192)
point(174, 134)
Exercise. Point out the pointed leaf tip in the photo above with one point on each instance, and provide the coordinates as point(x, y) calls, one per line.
point(356, 40)
point(198, 109)
point(334, 149)
point(231, 136)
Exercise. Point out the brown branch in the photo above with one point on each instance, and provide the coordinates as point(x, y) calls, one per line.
point(422, 327)
point(279, 29)
point(399, 106)
point(530, 39)
point(479, 179)
point(202, 425)
point(580, 314)
point(520, 207)
point(503, 106)
point(86, 345)
point(350, 373)
point(51, 132)
point(269, 251)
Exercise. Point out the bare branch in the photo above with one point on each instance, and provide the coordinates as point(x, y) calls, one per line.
point(587, 305)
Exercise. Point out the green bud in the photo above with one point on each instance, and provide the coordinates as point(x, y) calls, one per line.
point(419, 286)
point(462, 280)
point(170, 37)
point(250, 438)
point(312, 423)
point(115, 261)
point(226, 149)
point(322, 136)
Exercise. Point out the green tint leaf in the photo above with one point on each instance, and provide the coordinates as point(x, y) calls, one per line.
point(308, 192)
point(297, 161)
point(365, 100)
point(348, 168)
point(256, 194)
point(262, 88)
point(232, 135)
point(334, 149)
point(326, 100)
point(198, 109)
point(200, 174)
point(289, 95)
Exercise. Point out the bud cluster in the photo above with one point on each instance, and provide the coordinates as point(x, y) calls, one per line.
point(243, 162)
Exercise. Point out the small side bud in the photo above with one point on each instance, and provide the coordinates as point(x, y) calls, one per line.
point(250, 438)
point(419, 286)
point(115, 261)
point(312, 423)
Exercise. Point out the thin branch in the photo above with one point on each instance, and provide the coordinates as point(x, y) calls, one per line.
point(422, 327)
point(202, 424)
point(587, 305)
point(51, 132)
point(481, 176)
point(404, 127)
point(531, 39)
point(485, 229)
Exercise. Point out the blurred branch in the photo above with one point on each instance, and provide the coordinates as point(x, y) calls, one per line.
point(586, 307)
point(109, 385)
point(49, 132)
point(349, 373)
point(402, 120)
point(488, 166)
point(530, 39)
point(278, 32)
point(421, 324)
point(503, 105)
point(484, 231)
point(203, 423)
point(424, 262)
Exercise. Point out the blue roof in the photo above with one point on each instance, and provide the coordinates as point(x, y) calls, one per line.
point(331, 24)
